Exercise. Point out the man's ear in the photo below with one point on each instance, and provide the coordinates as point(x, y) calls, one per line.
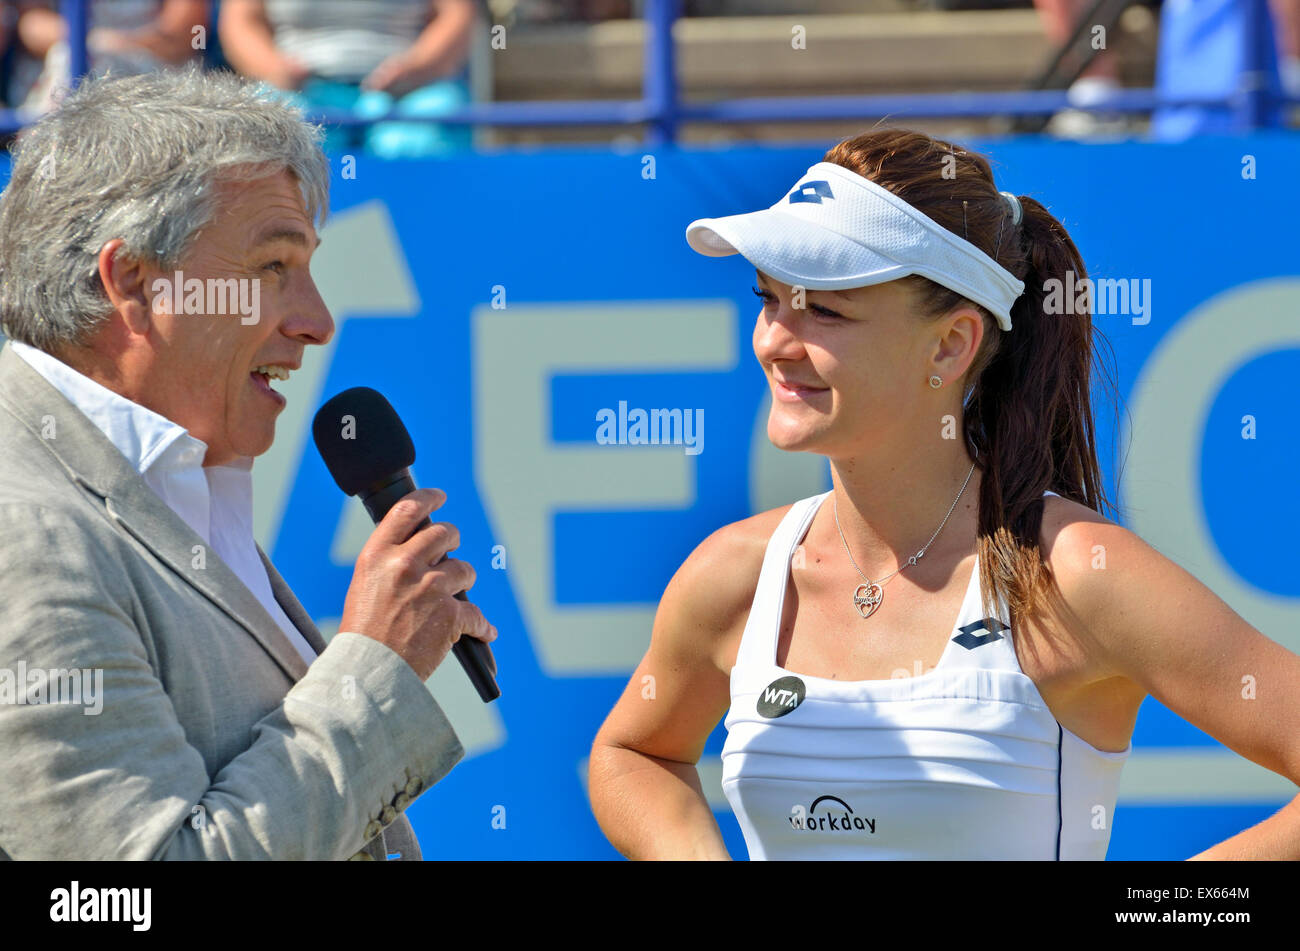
point(124, 280)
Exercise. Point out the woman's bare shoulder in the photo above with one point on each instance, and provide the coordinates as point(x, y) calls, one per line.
point(1069, 532)
point(713, 590)
point(1083, 550)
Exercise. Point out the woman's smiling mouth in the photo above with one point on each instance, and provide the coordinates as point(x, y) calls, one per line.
point(792, 392)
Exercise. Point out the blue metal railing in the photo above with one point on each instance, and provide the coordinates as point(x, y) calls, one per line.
point(77, 15)
point(662, 111)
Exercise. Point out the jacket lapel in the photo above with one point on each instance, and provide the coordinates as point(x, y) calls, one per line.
point(103, 473)
point(292, 606)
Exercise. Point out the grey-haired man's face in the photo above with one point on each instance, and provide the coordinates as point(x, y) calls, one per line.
point(243, 299)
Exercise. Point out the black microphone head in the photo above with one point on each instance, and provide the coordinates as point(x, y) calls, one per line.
point(362, 439)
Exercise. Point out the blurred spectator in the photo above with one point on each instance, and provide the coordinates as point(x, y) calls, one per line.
point(366, 58)
point(125, 37)
point(1204, 50)
point(1097, 81)
point(1286, 20)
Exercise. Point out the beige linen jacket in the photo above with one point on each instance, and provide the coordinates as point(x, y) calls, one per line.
point(213, 738)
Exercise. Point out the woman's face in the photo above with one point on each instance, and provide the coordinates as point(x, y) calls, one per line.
point(848, 370)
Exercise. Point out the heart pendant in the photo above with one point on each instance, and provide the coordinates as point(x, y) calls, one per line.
point(870, 600)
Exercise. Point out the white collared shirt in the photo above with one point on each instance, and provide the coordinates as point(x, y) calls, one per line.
point(215, 501)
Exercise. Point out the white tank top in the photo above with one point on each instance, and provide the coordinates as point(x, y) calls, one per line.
point(962, 762)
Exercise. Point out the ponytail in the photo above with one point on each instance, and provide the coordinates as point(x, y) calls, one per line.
point(1029, 417)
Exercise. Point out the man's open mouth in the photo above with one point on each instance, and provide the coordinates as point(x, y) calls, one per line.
point(264, 374)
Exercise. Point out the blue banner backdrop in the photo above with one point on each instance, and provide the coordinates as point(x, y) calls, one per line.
point(502, 302)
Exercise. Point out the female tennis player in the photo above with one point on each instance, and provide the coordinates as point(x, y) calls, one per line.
point(943, 656)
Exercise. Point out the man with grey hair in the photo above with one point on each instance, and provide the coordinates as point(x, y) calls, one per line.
point(131, 408)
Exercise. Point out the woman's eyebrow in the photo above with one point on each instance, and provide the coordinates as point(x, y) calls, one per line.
point(762, 280)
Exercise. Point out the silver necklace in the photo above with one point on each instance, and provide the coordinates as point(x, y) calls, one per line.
point(867, 597)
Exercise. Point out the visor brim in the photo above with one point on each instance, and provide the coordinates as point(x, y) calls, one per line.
point(793, 250)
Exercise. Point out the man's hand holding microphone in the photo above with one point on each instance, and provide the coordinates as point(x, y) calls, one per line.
point(403, 591)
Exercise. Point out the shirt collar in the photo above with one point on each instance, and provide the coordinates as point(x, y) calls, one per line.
point(149, 441)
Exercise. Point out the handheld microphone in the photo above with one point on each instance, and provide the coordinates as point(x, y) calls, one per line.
point(369, 453)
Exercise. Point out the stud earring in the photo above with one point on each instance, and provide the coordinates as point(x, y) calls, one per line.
point(936, 381)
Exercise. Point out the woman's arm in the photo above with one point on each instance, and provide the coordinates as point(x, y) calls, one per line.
point(652, 808)
point(644, 787)
point(249, 46)
point(1152, 622)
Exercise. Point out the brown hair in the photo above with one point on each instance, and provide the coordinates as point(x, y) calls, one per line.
point(1027, 416)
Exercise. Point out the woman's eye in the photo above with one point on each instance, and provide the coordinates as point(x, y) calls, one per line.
point(767, 297)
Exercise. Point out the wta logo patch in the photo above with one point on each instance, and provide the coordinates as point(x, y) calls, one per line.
point(780, 697)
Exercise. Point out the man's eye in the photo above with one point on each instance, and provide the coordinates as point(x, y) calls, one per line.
point(274, 266)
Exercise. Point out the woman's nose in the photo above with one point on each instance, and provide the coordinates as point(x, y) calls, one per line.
point(775, 335)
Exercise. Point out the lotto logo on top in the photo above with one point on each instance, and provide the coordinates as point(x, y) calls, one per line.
point(971, 636)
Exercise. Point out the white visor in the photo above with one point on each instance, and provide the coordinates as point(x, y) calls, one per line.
point(837, 230)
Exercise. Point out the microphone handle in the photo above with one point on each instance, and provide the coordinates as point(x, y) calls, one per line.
point(472, 653)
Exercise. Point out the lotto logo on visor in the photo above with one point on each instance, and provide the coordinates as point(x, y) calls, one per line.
point(812, 192)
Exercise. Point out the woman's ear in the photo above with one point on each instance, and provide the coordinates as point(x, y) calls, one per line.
point(961, 332)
